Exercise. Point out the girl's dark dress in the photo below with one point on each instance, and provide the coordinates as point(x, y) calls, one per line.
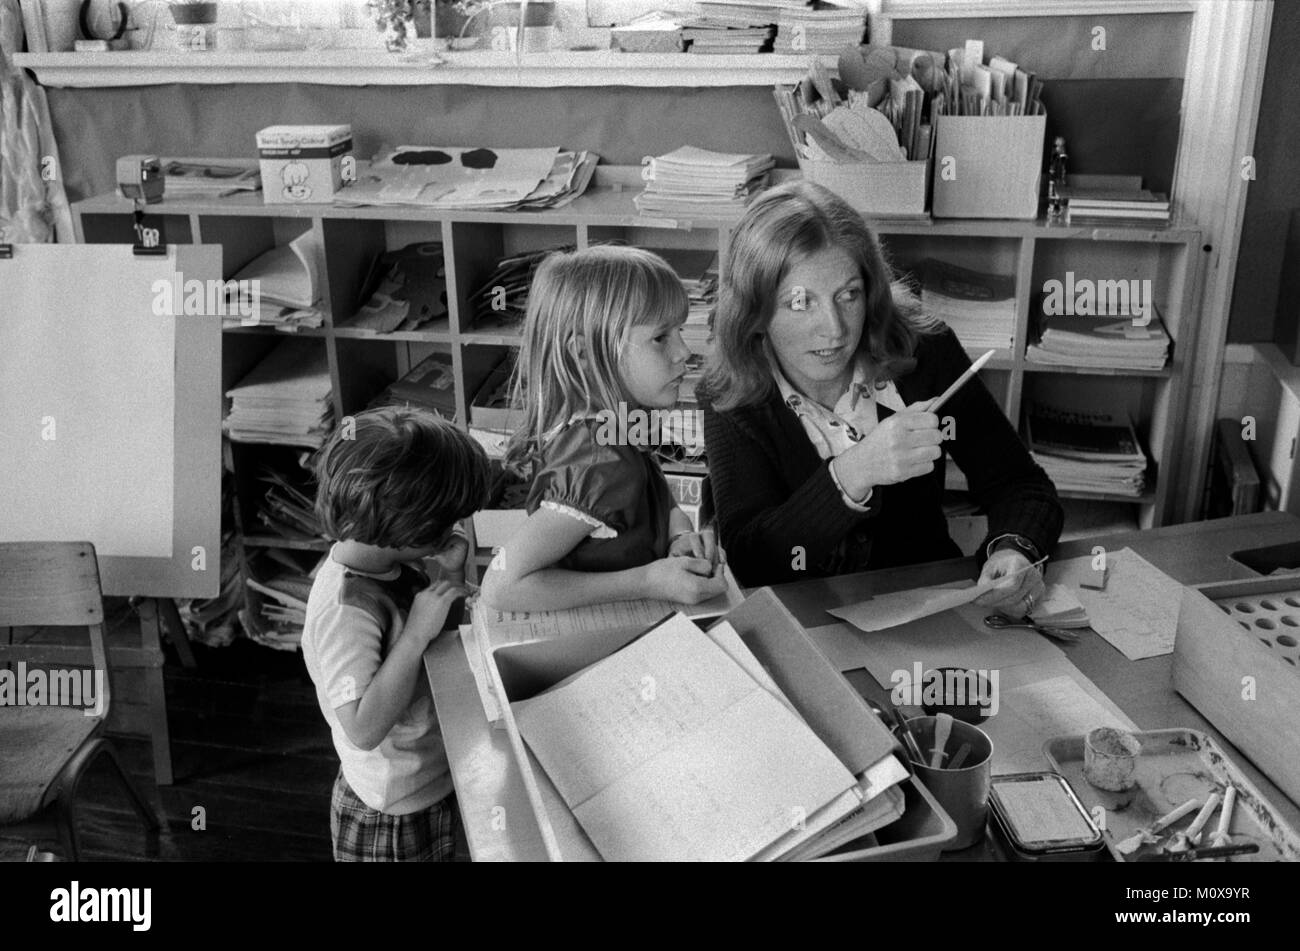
point(619, 487)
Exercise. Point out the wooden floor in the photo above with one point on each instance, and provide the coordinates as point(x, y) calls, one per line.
point(249, 746)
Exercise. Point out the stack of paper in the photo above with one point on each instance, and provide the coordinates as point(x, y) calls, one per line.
point(210, 178)
point(979, 307)
point(746, 13)
point(285, 400)
point(692, 182)
point(654, 32)
point(1110, 342)
point(288, 511)
point(1060, 607)
point(805, 30)
point(501, 301)
point(680, 747)
point(1100, 206)
point(483, 179)
point(410, 290)
point(289, 287)
point(707, 35)
point(430, 385)
point(1086, 449)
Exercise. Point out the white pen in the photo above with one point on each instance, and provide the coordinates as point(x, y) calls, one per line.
point(960, 382)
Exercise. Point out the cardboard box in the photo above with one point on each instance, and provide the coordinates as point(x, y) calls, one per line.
point(823, 698)
point(988, 166)
point(1214, 653)
point(876, 189)
point(1273, 560)
point(303, 164)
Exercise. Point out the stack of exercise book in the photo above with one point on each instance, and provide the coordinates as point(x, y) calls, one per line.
point(1117, 342)
point(1086, 449)
point(690, 182)
point(706, 35)
point(705, 758)
point(979, 307)
point(829, 30)
point(290, 290)
point(286, 398)
point(1103, 206)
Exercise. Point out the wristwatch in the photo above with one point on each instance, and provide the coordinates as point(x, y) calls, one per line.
point(1016, 542)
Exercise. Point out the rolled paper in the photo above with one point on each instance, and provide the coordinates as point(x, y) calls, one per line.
point(1166, 821)
point(1202, 818)
point(1220, 836)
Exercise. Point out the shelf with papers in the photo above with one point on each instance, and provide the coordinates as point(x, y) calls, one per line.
point(268, 330)
point(368, 67)
point(476, 340)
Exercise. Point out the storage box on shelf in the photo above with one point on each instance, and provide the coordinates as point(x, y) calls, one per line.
point(362, 363)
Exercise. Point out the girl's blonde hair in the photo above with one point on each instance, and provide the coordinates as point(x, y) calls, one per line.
point(582, 307)
point(780, 227)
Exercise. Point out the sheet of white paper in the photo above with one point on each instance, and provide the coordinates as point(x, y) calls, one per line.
point(1138, 611)
point(87, 400)
point(899, 607)
point(1066, 704)
point(722, 792)
point(957, 638)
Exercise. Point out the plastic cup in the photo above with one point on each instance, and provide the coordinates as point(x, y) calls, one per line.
point(1110, 759)
point(963, 793)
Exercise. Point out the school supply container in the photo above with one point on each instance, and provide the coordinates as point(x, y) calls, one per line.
point(988, 166)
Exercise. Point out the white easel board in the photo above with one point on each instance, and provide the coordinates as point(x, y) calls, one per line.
point(110, 413)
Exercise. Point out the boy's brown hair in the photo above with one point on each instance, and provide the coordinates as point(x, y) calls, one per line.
point(398, 478)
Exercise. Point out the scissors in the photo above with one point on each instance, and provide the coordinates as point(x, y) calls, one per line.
point(1002, 622)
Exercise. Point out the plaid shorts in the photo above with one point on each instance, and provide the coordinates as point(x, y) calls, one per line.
point(362, 834)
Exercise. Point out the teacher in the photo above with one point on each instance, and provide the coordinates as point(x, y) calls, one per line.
point(823, 458)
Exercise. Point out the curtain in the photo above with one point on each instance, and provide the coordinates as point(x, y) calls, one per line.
point(33, 206)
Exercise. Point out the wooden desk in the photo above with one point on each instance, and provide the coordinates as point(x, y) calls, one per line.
point(499, 822)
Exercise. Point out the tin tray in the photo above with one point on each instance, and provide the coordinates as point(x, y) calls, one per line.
point(1174, 766)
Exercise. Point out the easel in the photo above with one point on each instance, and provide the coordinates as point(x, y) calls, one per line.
point(86, 296)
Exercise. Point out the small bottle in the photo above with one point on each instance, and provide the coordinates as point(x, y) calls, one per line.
point(1056, 181)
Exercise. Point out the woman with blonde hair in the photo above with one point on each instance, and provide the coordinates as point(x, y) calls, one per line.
point(823, 456)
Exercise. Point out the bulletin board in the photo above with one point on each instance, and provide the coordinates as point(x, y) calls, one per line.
point(110, 412)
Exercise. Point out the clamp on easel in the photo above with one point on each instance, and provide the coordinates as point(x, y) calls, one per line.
point(140, 178)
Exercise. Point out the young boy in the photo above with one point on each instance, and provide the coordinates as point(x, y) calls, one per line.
point(390, 492)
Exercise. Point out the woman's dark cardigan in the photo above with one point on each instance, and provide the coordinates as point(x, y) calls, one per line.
point(782, 519)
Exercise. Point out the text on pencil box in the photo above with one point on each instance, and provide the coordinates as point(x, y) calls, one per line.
point(75, 903)
point(195, 298)
point(58, 687)
point(1084, 297)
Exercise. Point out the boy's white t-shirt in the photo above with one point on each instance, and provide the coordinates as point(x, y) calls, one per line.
point(351, 618)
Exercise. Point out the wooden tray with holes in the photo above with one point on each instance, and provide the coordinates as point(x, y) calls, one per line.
point(1173, 767)
point(1237, 660)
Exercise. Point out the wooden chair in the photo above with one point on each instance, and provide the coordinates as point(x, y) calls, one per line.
point(45, 750)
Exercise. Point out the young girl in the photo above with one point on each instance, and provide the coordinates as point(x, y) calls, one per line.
point(602, 344)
